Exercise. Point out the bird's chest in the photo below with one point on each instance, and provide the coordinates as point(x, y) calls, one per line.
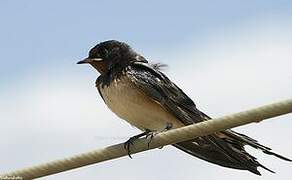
point(133, 105)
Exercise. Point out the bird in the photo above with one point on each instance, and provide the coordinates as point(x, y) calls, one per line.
point(140, 93)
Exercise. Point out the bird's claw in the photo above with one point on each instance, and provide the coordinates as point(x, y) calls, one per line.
point(148, 134)
point(151, 134)
point(127, 145)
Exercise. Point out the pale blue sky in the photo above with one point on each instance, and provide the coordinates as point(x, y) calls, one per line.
point(43, 33)
point(227, 55)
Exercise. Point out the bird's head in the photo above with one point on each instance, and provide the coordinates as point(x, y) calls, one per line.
point(111, 54)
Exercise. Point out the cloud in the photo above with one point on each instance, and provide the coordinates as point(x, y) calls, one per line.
point(53, 115)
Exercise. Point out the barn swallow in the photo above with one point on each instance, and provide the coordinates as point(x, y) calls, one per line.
point(141, 94)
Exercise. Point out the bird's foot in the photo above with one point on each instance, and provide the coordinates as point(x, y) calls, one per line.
point(129, 142)
point(151, 134)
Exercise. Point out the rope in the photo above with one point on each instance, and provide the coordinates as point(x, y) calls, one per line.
point(161, 139)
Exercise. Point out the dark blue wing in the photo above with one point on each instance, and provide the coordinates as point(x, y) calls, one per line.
point(156, 85)
point(224, 148)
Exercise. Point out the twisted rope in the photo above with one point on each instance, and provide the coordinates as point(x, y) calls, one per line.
point(161, 139)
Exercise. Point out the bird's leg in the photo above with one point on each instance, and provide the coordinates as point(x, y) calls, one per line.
point(153, 133)
point(132, 139)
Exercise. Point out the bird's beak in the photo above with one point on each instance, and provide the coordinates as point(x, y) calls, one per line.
point(89, 60)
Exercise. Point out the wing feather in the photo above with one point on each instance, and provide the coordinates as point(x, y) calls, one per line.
point(225, 148)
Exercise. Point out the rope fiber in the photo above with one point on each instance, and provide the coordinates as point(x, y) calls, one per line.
point(162, 139)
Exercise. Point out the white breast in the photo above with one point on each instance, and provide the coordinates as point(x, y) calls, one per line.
point(131, 104)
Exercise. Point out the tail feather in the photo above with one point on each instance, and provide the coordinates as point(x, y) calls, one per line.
point(214, 155)
point(254, 143)
point(227, 149)
point(264, 167)
point(276, 155)
point(245, 139)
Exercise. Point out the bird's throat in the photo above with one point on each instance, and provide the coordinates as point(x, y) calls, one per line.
point(101, 67)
